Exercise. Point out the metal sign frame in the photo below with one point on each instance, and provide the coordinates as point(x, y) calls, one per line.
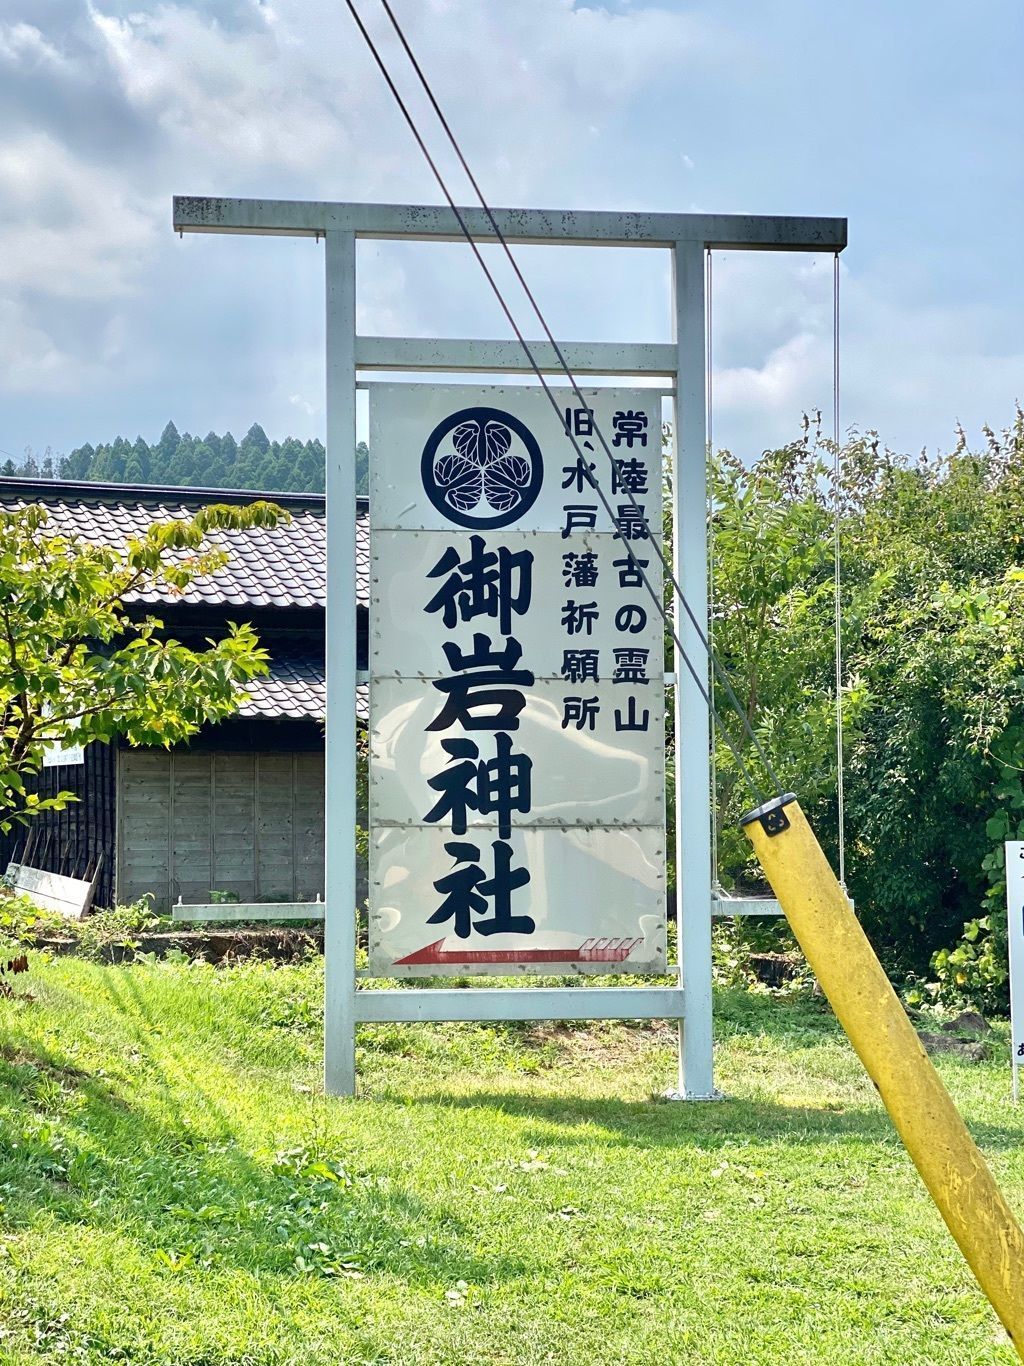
point(687, 237)
point(1013, 851)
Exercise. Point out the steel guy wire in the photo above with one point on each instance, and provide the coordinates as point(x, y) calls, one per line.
point(717, 669)
point(702, 688)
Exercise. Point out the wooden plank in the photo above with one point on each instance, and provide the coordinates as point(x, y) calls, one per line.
point(135, 763)
point(144, 796)
point(68, 896)
point(192, 816)
point(185, 764)
point(275, 827)
point(234, 878)
point(309, 857)
point(191, 826)
point(233, 860)
point(234, 839)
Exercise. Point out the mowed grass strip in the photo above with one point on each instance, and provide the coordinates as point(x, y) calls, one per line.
point(176, 1189)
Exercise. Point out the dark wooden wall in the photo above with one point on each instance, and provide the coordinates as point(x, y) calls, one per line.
point(74, 840)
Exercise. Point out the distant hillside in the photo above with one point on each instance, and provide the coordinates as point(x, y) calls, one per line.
point(211, 461)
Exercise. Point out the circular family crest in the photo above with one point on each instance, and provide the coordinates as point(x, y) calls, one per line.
point(482, 467)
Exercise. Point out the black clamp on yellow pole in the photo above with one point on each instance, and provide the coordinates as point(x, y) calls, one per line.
point(842, 959)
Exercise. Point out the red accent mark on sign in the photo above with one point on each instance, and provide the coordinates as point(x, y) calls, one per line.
point(590, 951)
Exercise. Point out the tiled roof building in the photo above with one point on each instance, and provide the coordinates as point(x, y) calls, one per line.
point(241, 807)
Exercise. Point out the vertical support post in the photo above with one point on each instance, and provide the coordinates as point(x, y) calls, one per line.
point(1013, 856)
point(692, 722)
point(340, 766)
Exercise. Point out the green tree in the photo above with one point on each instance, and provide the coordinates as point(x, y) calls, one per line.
point(167, 447)
point(255, 443)
point(772, 617)
point(211, 462)
point(181, 470)
point(141, 457)
point(78, 464)
point(291, 457)
point(204, 463)
point(933, 635)
point(270, 474)
point(110, 462)
point(362, 468)
point(76, 667)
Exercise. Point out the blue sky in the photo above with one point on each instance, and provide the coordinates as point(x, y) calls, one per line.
point(904, 118)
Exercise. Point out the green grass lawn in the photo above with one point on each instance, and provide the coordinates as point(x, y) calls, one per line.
point(175, 1189)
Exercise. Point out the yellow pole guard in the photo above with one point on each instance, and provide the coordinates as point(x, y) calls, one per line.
point(842, 959)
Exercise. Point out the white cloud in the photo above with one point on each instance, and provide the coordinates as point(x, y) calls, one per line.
point(911, 371)
point(72, 229)
point(900, 361)
point(31, 361)
point(778, 386)
point(233, 99)
point(294, 91)
point(21, 42)
point(287, 101)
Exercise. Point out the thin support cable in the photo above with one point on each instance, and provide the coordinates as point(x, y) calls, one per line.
point(753, 786)
point(717, 670)
point(709, 419)
point(837, 577)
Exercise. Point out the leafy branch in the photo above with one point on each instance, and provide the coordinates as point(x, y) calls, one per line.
point(81, 664)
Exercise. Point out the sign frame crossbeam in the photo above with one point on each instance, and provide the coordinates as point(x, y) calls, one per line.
point(489, 356)
point(565, 227)
point(520, 1003)
point(687, 237)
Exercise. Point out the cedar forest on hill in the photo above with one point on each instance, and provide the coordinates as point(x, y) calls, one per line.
point(186, 461)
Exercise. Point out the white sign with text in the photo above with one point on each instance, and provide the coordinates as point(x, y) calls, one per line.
point(517, 712)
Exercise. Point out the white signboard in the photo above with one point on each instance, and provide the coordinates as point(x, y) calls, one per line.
point(517, 711)
point(55, 755)
point(1015, 926)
